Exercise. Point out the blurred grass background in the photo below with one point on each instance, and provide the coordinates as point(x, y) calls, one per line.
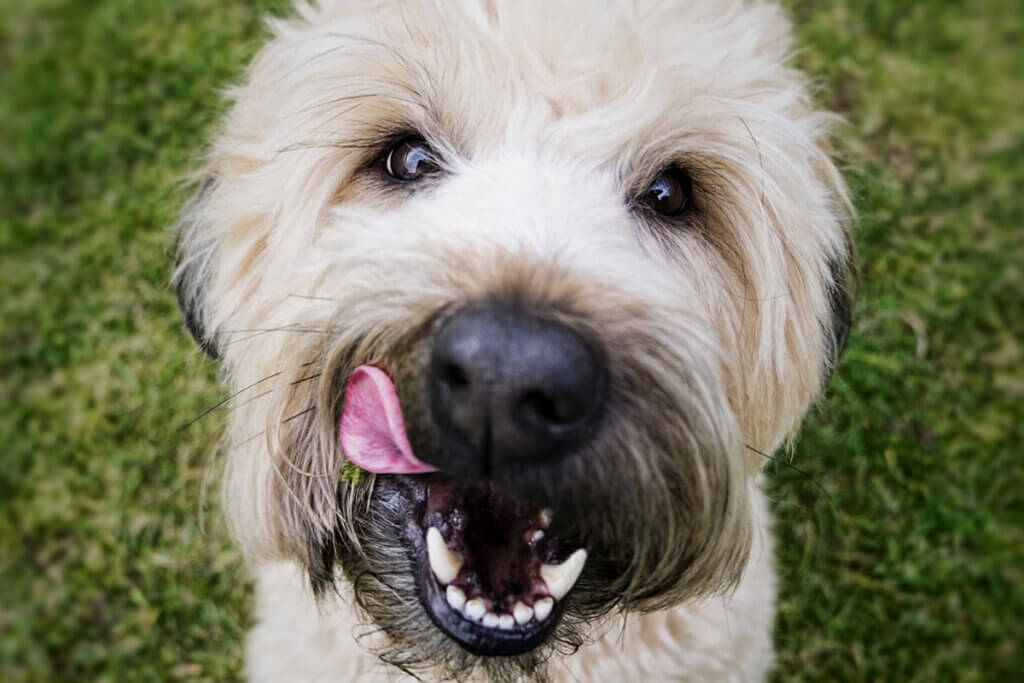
point(112, 566)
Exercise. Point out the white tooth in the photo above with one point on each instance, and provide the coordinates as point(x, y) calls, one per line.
point(444, 562)
point(542, 608)
point(475, 609)
point(456, 598)
point(560, 578)
point(522, 613)
point(545, 517)
point(536, 536)
point(506, 622)
point(491, 620)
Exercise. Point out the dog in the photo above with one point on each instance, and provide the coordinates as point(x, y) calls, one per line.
point(514, 299)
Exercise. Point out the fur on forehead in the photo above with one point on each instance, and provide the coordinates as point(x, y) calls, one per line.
point(640, 73)
point(624, 91)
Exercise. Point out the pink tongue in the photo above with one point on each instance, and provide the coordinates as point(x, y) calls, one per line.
point(372, 429)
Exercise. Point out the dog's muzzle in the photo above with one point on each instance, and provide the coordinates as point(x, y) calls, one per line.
point(507, 391)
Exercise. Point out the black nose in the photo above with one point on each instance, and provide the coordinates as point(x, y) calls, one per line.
point(508, 388)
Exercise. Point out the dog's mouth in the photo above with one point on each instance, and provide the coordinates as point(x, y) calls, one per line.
point(492, 576)
point(492, 573)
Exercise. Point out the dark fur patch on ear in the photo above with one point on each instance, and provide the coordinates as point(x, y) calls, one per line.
point(190, 301)
point(841, 299)
point(190, 273)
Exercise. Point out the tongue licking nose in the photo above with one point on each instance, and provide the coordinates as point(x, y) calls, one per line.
point(372, 430)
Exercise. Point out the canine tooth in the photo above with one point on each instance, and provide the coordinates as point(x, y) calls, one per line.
point(456, 598)
point(476, 609)
point(542, 608)
point(536, 536)
point(506, 622)
point(522, 613)
point(491, 620)
point(545, 517)
point(560, 578)
point(444, 562)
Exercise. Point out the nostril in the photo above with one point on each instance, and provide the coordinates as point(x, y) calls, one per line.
point(539, 408)
point(453, 376)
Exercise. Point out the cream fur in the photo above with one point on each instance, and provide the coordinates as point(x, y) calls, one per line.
point(548, 114)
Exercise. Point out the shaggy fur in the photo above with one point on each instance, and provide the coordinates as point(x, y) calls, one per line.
point(300, 260)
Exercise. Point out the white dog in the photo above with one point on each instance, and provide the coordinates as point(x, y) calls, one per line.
point(515, 297)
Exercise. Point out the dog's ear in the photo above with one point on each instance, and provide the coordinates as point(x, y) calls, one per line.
point(841, 300)
point(192, 263)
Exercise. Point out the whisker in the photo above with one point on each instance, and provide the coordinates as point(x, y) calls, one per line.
point(282, 328)
point(260, 333)
point(224, 401)
point(807, 475)
point(245, 441)
point(253, 398)
point(298, 415)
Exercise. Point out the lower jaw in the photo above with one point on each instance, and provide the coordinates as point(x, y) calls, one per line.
point(476, 638)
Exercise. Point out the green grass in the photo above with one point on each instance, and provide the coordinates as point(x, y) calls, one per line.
point(112, 566)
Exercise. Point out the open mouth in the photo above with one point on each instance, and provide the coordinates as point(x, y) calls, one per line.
point(492, 575)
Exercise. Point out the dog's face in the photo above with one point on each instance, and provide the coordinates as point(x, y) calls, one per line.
point(562, 274)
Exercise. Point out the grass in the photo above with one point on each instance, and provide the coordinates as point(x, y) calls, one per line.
point(112, 568)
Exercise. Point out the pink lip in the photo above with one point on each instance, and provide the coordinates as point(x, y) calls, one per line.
point(372, 431)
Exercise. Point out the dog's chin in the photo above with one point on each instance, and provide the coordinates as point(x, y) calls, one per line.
point(491, 570)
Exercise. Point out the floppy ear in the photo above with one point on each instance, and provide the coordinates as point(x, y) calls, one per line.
point(191, 274)
point(841, 300)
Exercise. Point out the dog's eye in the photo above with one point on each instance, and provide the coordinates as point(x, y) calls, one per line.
point(410, 159)
point(670, 193)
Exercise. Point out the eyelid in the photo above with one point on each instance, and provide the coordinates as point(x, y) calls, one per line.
point(381, 145)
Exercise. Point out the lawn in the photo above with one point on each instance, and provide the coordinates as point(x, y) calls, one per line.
point(901, 550)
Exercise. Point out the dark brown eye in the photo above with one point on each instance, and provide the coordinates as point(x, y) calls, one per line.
point(410, 159)
point(670, 193)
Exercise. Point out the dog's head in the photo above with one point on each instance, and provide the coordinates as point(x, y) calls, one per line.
point(559, 274)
